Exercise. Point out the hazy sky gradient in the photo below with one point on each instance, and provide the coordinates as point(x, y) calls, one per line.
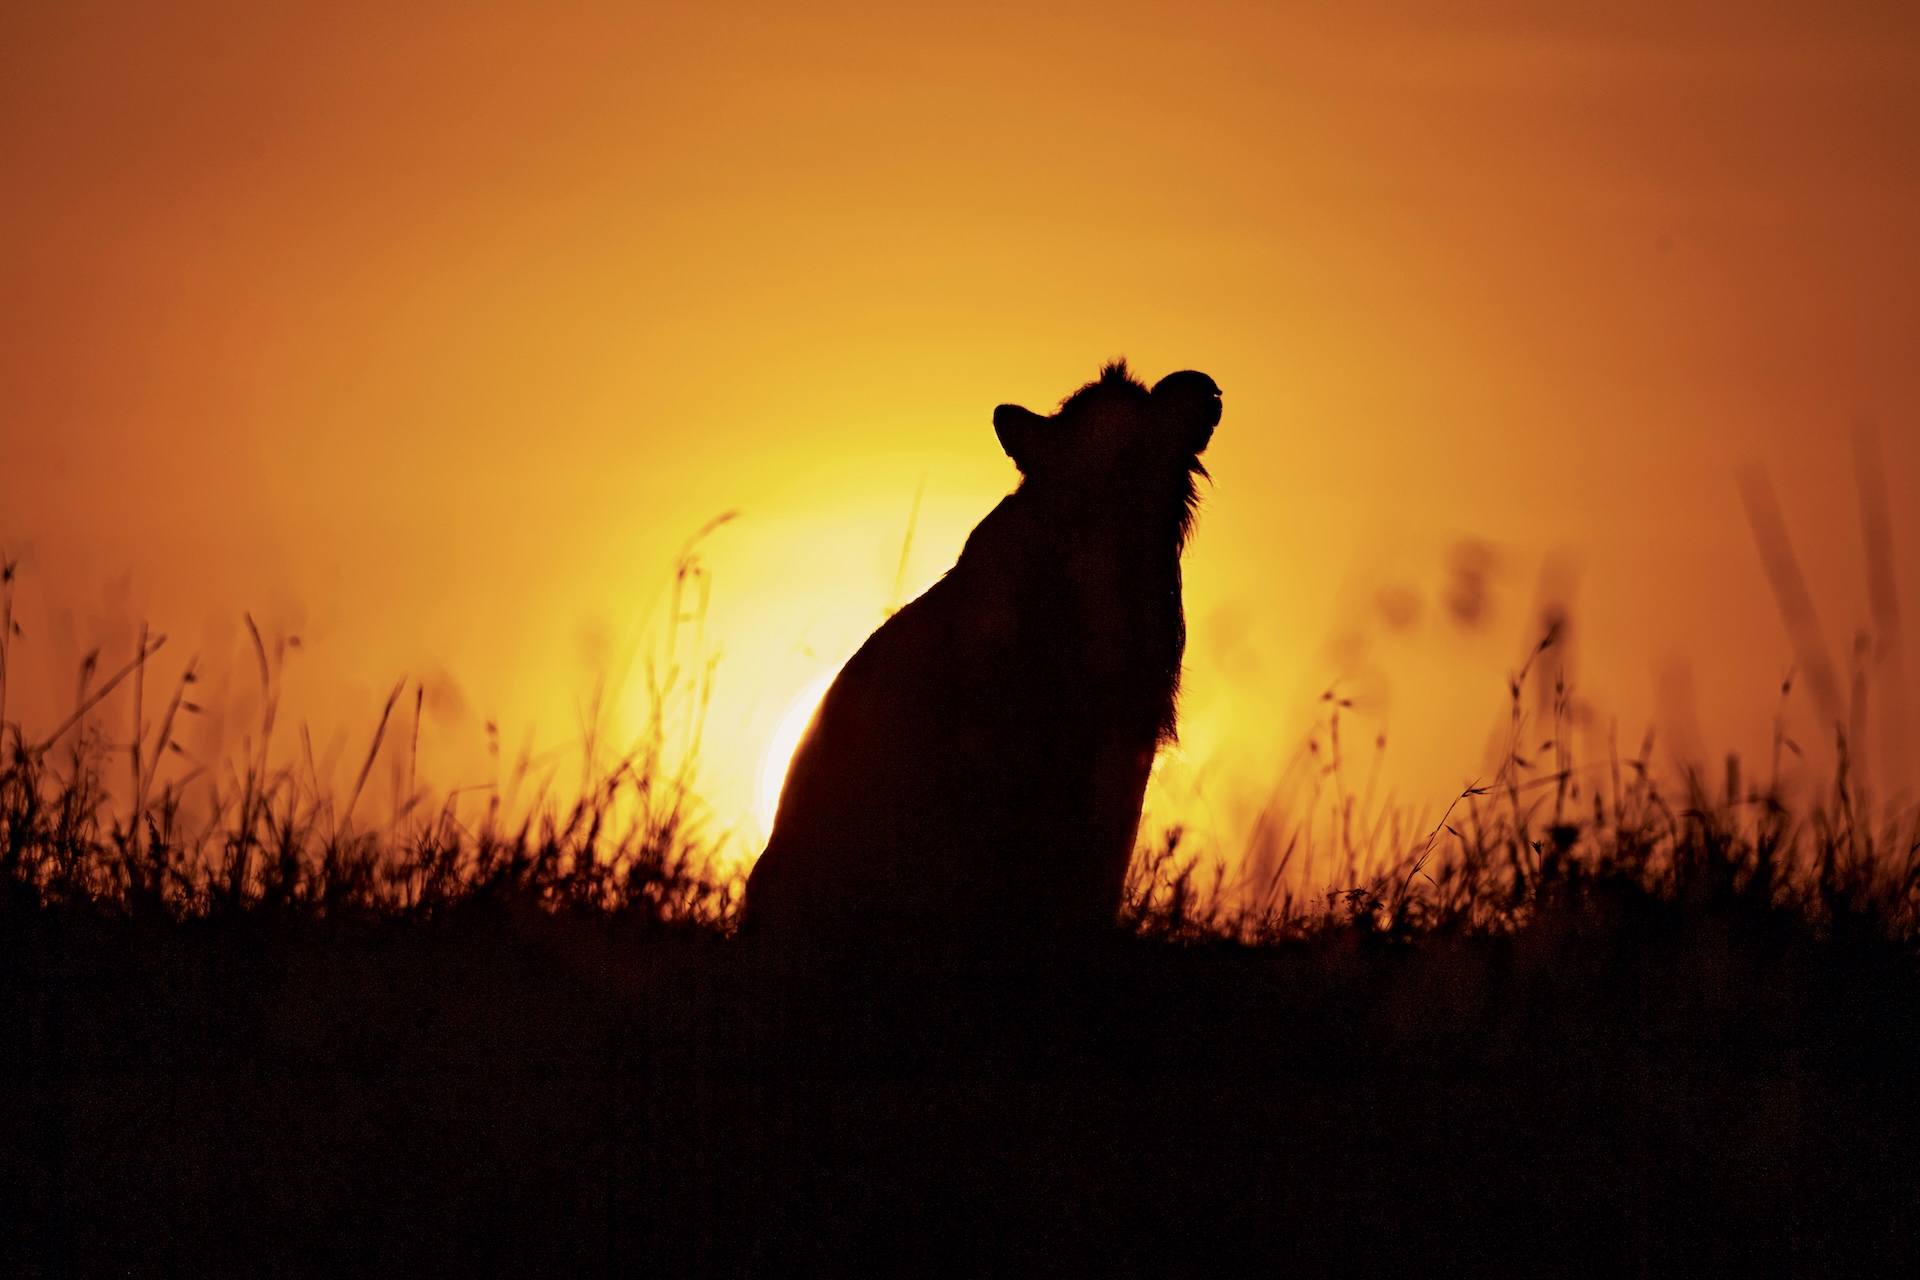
point(431, 332)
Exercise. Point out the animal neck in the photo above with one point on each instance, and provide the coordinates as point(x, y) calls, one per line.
point(1150, 519)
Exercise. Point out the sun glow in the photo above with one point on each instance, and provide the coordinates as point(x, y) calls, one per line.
point(780, 747)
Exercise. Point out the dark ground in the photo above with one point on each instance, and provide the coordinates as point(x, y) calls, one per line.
point(1635, 1091)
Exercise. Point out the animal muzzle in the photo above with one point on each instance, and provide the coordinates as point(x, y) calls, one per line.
point(1191, 401)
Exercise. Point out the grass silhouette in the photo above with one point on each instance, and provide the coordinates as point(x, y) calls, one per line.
point(1587, 1020)
point(276, 838)
point(1544, 832)
point(1547, 832)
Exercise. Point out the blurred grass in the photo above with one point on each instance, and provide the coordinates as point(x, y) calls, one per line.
point(1547, 831)
point(115, 824)
point(1588, 1021)
point(190, 838)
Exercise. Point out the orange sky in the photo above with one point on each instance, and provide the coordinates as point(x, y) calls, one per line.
point(431, 332)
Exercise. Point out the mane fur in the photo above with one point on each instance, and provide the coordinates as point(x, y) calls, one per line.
point(1186, 509)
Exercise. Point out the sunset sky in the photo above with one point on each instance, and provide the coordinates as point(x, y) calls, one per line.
point(431, 333)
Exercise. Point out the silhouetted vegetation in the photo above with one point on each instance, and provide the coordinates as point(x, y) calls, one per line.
point(1581, 1023)
point(1548, 833)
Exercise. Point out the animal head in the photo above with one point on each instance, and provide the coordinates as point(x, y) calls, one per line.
point(1115, 439)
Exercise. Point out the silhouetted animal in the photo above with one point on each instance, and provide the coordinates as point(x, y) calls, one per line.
point(976, 770)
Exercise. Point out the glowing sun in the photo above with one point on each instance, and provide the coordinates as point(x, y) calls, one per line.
point(781, 746)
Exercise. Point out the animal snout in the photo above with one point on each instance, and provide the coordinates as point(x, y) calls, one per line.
point(1192, 400)
point(1186, 385)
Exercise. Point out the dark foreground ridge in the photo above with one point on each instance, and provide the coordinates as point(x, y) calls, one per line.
point(1625, 1087)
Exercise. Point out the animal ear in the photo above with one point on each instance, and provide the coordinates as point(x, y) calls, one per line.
point(1019, 431)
